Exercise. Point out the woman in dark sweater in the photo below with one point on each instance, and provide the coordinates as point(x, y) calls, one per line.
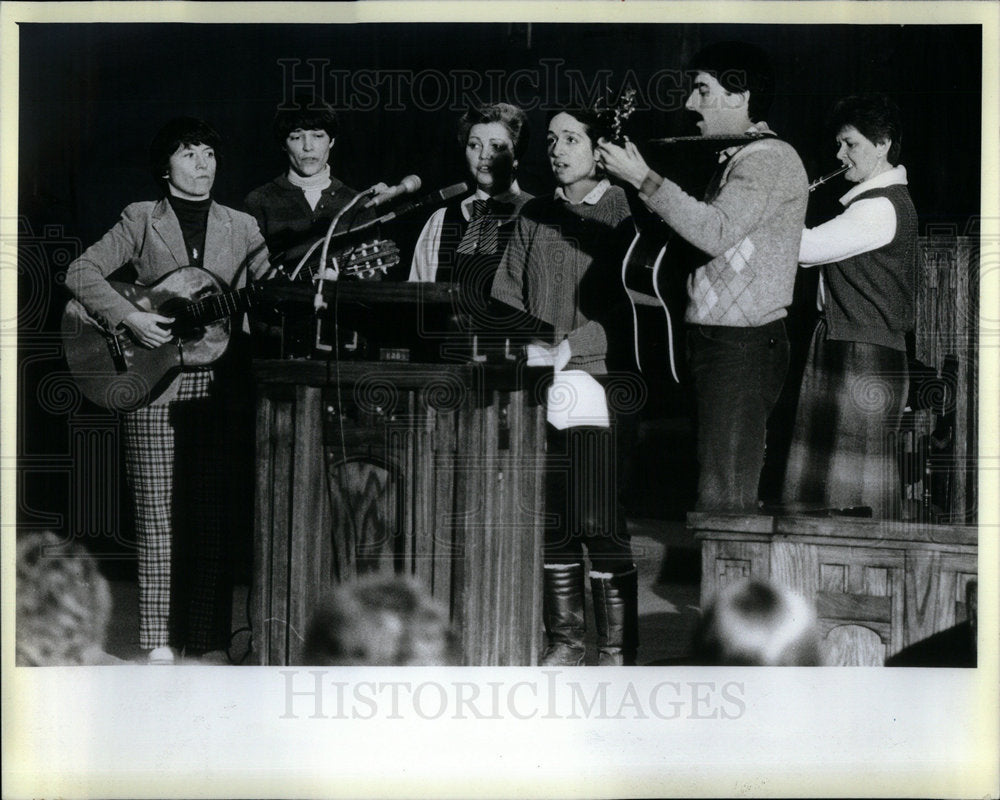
point(855, 384)
point(562, 265)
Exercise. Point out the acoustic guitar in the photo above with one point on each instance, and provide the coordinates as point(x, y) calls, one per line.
point(656, 292)
point(115, 372)
point(658, 263)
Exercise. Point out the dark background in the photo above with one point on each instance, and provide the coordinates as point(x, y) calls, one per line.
point(92, 95)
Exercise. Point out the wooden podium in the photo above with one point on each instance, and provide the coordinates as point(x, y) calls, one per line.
point(429, 469)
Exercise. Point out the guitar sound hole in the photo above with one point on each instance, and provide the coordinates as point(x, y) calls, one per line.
point(187, 333)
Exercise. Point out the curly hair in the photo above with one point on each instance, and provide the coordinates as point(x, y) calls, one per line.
point(63, 602)
point(511, 117)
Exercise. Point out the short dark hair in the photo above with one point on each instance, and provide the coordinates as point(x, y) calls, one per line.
point(875, 116)
point(307, 113)
point(596, 124)
point(180, 131)
point(739, 67)
point(514, 120)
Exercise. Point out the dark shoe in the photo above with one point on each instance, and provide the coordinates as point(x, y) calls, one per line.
point(562, 613)
point(616, 612)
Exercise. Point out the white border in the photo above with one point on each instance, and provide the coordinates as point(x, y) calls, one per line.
point(195, 732)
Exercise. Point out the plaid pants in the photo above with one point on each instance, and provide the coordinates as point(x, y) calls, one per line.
point(175, 462)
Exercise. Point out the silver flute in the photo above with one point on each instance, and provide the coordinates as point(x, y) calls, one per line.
point(825, 178)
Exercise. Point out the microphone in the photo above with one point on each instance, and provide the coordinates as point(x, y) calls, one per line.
point(409, 185)
point(440, 196)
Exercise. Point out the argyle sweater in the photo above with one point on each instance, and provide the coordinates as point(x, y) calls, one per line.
point(749, 227)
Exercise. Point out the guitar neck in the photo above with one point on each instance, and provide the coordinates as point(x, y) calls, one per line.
point(219, 306)
point(717, 140)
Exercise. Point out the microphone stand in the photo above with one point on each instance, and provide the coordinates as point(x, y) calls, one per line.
point(318, 302)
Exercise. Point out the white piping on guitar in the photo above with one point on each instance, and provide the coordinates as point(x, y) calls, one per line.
point(663, 305)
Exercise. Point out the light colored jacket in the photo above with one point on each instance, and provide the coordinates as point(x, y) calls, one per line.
point(148, 237)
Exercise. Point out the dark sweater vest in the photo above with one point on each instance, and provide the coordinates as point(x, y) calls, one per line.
point(871, 296)
point(473, 271)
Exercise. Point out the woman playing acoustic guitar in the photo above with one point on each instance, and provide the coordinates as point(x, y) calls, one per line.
point(176, 459)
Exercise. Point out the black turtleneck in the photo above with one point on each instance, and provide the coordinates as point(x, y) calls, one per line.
point(193, 217)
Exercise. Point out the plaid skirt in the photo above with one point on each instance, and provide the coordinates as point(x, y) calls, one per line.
point(176, 466)
point(843, 451)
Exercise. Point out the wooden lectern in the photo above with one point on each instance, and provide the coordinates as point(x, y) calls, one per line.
point(427, 468)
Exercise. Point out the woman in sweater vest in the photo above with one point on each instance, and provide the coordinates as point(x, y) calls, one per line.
point(462, 242)
point(855, 384)
point(563, 265)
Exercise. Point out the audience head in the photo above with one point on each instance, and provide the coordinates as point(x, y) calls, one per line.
point(756, 623)
point(380, 621)
point(63, 603)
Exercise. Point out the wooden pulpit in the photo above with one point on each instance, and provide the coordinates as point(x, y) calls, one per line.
point(418, 452)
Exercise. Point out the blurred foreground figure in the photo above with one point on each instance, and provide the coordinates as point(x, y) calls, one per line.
point(754, 623)
point(380, 621)
point(63, 604)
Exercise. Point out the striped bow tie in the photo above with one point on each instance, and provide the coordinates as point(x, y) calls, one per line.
point(483, 233)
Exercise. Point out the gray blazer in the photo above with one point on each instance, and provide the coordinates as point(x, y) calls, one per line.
point(148, 236)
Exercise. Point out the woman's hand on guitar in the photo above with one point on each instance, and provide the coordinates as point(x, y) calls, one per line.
point(149, 329)
point(623, 163)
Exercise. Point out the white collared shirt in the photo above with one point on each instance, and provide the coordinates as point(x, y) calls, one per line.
point(425, 254)
point(863, 226)
point(592, 198)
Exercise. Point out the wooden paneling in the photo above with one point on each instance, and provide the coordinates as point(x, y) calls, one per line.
point(854, 646)
point(725, 561)
point(449, 494)
point(947, 306)
point(878, 587)
point(837, 605)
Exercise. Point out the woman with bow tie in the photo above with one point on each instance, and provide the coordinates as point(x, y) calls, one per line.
point(462, 242)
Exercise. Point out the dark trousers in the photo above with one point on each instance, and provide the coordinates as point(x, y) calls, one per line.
point(581, 490)
point(738, 374)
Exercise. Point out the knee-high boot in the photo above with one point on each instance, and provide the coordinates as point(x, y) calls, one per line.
point(616, 612)
point(562, 613)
